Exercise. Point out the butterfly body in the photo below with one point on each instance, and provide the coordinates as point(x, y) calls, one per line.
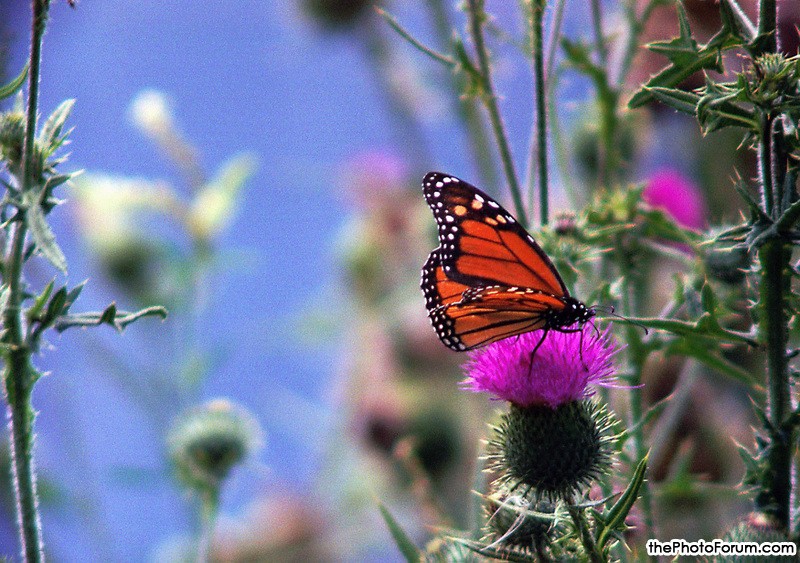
point(488, 279)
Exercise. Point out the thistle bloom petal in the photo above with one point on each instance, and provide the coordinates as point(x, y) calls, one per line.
point(558, 373)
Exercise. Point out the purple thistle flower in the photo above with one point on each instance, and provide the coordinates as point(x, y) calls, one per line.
point(678, 196)
point(560, 371)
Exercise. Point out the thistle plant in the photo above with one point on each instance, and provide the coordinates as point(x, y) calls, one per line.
point(31, 166)
point(729, 302)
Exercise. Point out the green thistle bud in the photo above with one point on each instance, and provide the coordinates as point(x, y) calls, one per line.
point(553, 452)
point(565, 224)
point(12, 138)
point(517, 522)
point(208, 441)
point(774, 77)
point(755, 527)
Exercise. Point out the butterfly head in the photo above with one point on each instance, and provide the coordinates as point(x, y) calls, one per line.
point(574, 311)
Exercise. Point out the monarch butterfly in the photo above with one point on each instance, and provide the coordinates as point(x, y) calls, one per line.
point(488, 279)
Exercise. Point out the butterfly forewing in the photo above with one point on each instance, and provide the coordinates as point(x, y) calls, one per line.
point(481, 243)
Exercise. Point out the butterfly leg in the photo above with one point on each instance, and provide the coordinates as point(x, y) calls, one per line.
point(580, 348)
point(538, 344)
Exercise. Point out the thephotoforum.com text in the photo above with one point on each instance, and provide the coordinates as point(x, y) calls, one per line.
point(680, 547)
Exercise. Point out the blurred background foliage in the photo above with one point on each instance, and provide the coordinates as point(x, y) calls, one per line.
point(255, 167)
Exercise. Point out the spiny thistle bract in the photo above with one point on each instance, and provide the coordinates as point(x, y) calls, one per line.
point(515, 521)
point(552, 453)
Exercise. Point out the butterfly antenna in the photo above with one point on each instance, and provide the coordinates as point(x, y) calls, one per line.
point(610, 312)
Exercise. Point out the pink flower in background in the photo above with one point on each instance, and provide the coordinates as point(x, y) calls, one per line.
point(560, 371)
point(678, 196)
point(371, 178)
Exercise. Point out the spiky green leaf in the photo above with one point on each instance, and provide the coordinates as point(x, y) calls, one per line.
point(7, 90)
point(410, 551)
point(43, 235)
point(50, 136)
point(614, 518)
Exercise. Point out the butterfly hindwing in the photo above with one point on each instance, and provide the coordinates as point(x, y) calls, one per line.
point(482, 244)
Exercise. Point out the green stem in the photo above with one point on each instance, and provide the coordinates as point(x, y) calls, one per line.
point(208, 517)
point(765, 166)
point(599, 40)
point(466, 106)
point(477, 18)
point(768, 24)
point(637, 355)
point(774, 496)
point(579, 519)
point(537, 46)
point(19, 375)
point(776, 489)
point(636, 26)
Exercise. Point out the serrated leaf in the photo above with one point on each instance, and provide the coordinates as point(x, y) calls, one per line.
point(685, 102)
point(734, 18)
point(43, 236)
point(707, 298)
point(56, 180)
point(754, 206)
point(51, 131)
point(686, 58)
point(8, 90)
point(407, 548)
point(680, 50)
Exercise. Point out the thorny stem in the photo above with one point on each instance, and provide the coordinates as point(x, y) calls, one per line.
point(775, 494)
point(467, 108)
point(477, 18)
point(579, 519)
point(19, 375)
point(768, 24)
point(765, 165)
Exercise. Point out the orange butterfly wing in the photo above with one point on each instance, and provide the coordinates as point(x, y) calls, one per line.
point(488, 279)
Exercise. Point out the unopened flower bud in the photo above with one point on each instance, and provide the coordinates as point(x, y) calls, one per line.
point(208, 441)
